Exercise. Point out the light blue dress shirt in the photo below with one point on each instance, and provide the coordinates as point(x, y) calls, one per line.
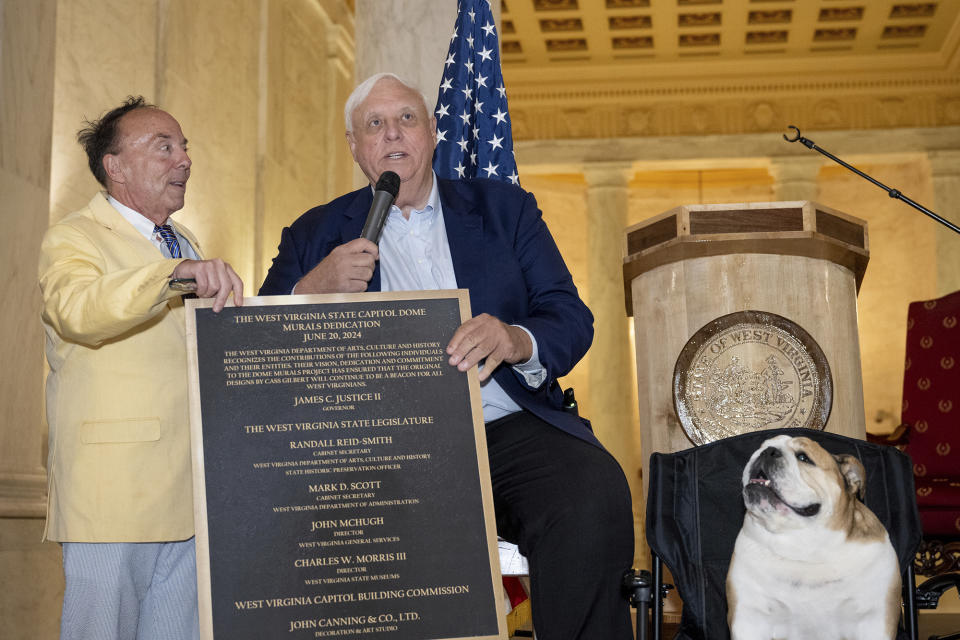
point(415, 255)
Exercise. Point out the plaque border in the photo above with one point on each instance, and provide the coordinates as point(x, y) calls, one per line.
point(201, 532)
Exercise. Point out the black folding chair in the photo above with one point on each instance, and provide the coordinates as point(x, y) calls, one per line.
point(695, 511)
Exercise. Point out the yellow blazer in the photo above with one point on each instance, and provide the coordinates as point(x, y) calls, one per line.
point(119, 460)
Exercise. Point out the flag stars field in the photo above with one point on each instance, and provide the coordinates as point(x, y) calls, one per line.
point(474, 137)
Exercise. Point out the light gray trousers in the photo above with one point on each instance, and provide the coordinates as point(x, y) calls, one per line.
point(130, 591)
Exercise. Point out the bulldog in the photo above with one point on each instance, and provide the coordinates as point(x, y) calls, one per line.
point(811, 560)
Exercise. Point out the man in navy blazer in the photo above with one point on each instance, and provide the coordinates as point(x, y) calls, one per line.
point(557, 493)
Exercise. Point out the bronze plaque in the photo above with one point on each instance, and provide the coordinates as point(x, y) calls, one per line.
point(748, 371)
point(340, 471)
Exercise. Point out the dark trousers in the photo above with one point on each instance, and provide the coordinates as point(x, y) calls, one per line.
point(566, 504)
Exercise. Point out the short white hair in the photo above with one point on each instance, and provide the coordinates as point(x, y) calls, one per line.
point(363, 90)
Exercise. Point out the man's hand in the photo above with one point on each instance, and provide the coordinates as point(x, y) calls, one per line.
point(215, 279)
point(484, 336)
point(346, 269)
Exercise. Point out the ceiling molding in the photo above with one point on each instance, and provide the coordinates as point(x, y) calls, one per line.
point(740, 150)
point(733, 116)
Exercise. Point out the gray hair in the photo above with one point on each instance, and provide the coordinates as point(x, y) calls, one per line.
point(363, 90)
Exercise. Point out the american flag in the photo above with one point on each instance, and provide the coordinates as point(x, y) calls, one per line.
point(473, 126)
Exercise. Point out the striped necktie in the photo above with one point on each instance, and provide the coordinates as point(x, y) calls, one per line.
point(166, 232)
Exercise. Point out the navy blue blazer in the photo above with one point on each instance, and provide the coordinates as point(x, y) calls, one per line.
point(502, 252)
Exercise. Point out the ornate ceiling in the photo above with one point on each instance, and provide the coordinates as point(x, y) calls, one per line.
point(634, 32)
point(602, 68)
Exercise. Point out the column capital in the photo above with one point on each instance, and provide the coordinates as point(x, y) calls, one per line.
point(804, 166)
point(795, 177)
point(608, 174)
point(944, 162)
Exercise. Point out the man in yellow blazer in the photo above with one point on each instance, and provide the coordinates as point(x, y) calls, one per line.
point(120, 491)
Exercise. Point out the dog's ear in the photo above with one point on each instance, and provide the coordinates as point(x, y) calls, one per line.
point(854, 475)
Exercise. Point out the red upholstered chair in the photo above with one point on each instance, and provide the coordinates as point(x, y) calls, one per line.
point(931, 418)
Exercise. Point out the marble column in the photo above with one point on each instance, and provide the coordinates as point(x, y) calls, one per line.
point(30, 570)
point(93, 73)
point(611, 374)
point(945, 168)
point(795, 177)
point(406, 37)
point(409, 38)
point(27, 35)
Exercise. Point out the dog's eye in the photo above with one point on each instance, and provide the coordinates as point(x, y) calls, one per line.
point(802, 457)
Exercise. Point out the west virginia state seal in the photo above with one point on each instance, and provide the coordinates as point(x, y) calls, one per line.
point(748, 371)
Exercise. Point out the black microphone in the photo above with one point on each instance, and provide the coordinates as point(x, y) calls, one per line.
point(383, 196)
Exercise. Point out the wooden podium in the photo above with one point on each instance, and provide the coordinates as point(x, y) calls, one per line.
point(745, 318)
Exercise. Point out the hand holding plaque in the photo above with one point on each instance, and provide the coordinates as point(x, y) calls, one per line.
point(485, 336)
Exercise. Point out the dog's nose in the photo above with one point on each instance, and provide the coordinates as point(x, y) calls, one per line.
point(771, 453)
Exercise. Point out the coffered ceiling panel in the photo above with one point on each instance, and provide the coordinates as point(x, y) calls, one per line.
point(552, 33)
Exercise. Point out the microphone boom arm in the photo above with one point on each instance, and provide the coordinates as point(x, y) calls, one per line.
point(893, 193)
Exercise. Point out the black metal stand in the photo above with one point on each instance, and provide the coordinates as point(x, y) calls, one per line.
point(661, 590)
point(645, 591)
point(637, 586)
point(893, 193)
point(911, 623)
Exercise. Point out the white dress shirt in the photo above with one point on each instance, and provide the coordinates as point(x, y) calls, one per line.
point(142, 224)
